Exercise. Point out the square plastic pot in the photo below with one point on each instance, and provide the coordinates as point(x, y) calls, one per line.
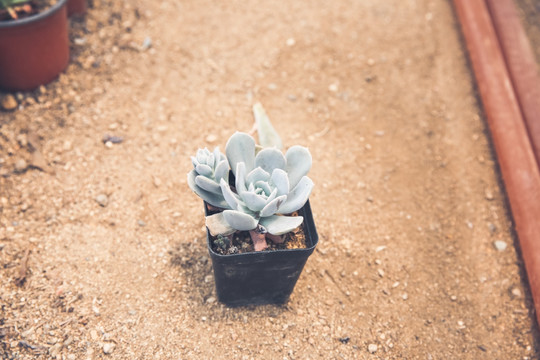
point(262, 277)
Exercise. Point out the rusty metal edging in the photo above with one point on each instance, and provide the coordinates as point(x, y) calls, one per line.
point(520, 171)
point(521, 65)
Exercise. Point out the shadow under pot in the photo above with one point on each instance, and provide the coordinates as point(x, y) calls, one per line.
point(262, 277)
point(34, 50)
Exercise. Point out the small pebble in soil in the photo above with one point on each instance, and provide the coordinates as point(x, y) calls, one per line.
point(112, 139)
point(372, 348)
point(516, 292)
point(211, 138)
point(290, 42)
point(500, 245)
point(9, 103)
point(141, 223)
point(489, 194)
point(20, 165)
point(108, 348)
point(345, 339)
point(147, 43)
point(102, 200)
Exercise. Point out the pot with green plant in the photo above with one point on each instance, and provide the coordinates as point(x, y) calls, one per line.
point(260, 229)
point(34, 43)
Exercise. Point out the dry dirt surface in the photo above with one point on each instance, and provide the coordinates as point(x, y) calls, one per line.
point(102, 246)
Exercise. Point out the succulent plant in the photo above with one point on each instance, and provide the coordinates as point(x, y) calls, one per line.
point(268, 185)
point(209, 168)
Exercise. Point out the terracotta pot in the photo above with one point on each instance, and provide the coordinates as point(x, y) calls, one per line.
point(34, 50)
point(76, 7)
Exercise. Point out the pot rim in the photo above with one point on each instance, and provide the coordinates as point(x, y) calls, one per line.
point(34, 18)
point(259, 253)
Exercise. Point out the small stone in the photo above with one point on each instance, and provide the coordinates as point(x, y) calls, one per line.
point(211, 138)
point(500, 245)
point(20, 165)
point(404, 296)
point(102, 200)
point(489, 194)
point(141, 223)
point(67, 145)
point(79, 41)
point(372, 348)
point(291, 97)
point(108, 348)
point(492, 228)
point(371, 62)
point(516, 292)
point(9, 102)
point(333, 87)
point(211, 300)
point(290, 42)
point(380, 272)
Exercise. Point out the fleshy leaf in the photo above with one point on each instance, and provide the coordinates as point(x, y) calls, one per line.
point(211, 198)
point(253, 201)
point(207, 184)
point(268, 136)
point(201, 156)
point(230, 197)
point(241, 148)
point(217, 225)
point(298, 164)
point(298, 196)
point(204, 170)
point(263, 185)
point(240, 177)
point(239, 221)
point(269, 159)
point(279, 225)
point(280, 180)
point(273, 206)
point(222, 171)
point(257, 174)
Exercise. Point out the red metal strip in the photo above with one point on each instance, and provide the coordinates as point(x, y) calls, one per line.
point(521, 64)
point(518, 165)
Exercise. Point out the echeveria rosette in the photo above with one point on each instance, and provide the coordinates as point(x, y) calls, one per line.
point(209, 168)
point(268, 185)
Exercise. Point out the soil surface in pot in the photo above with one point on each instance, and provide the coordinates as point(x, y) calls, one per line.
point(103, 245)
point(25, 9)
point(242, 243)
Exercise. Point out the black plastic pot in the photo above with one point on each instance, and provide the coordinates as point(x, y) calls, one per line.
point(262, 277)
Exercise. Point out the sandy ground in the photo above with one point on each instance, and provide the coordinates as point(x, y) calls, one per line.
point(408, 200)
